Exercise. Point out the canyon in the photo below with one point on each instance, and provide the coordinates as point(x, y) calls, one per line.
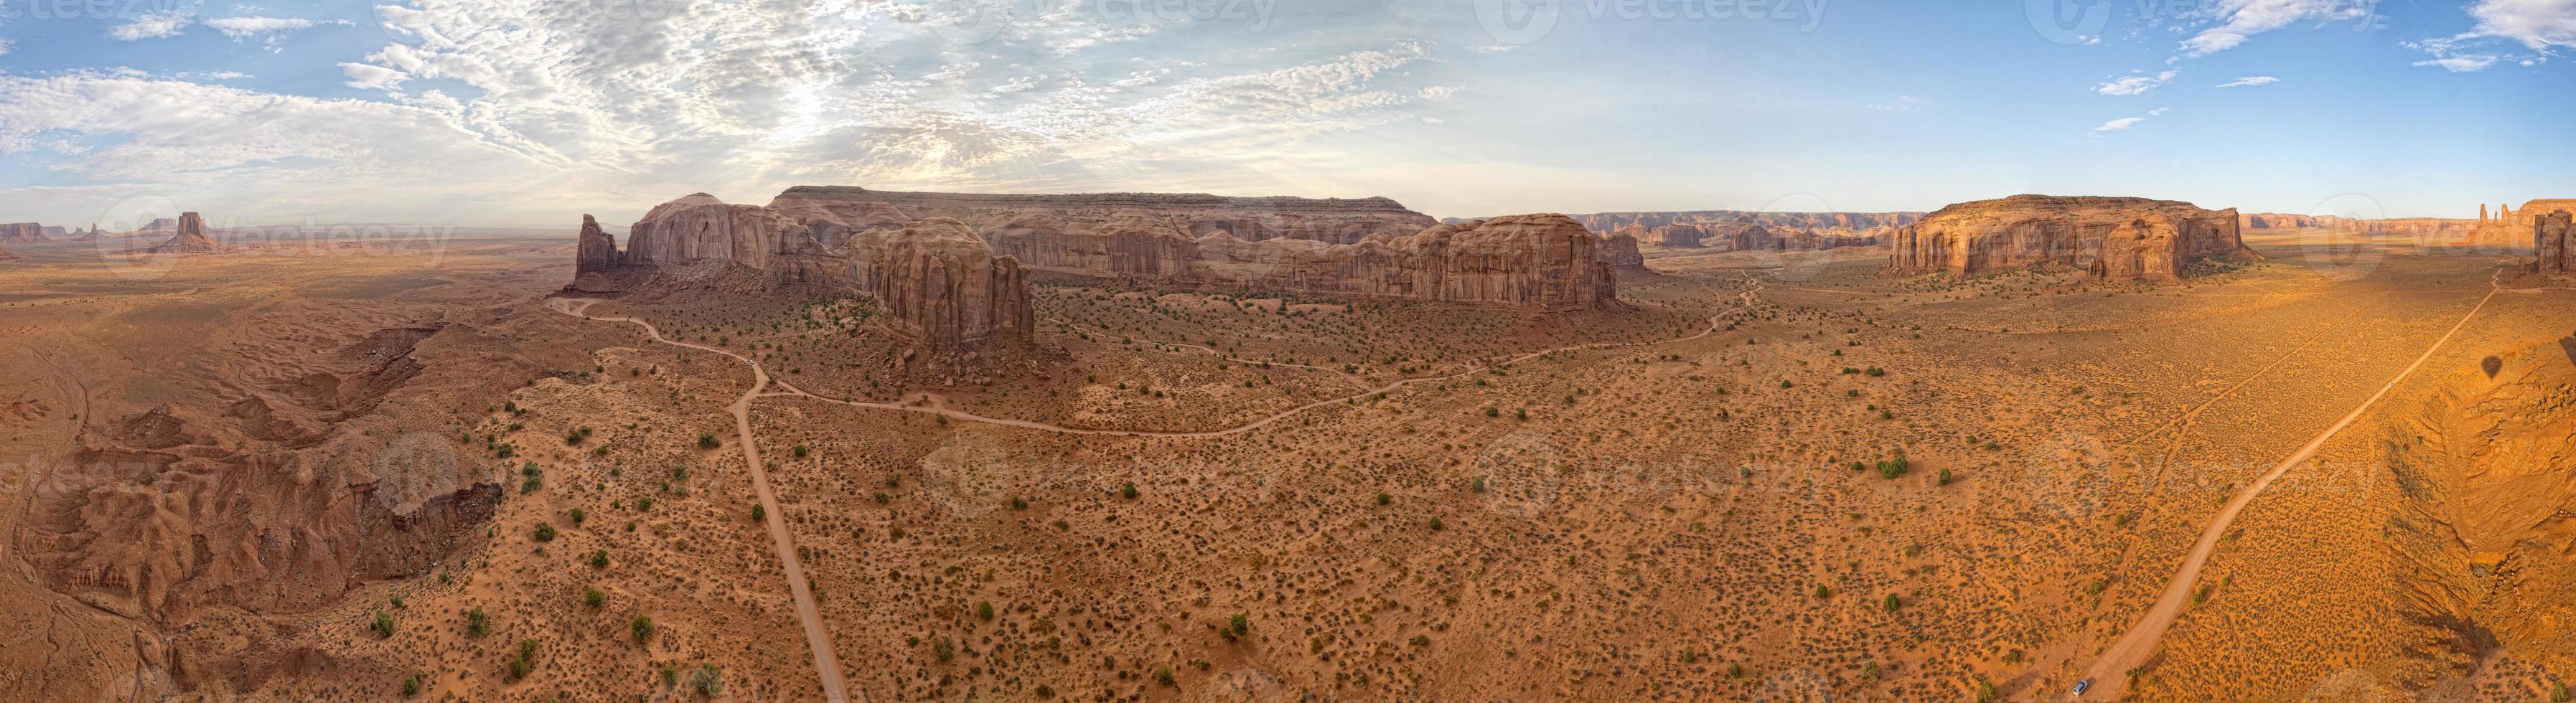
point(2109, 238)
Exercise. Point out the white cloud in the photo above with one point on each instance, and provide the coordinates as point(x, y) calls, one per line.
point(2138, 84)
point(2469, 63)
point(2540, 25)
point(550, 106)
point(2127, 123)
point(2240, 20)
point(2544, 27)
point(4, 47)
point(239, 28)
point(2120, 125)
point(372, 77)
point(152, 26)
point(2248, 81)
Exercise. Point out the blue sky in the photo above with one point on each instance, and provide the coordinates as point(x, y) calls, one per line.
point(494, 112)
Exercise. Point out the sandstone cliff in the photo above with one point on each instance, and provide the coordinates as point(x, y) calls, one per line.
point(2113, 238)
point(1853, 221)
point(939, 278)
point(188, 237)
point(1673, 236)
point(2513, 226)
point(1333, 246)
point(934, 277)
point(1546, 262)
point(1192, 215)
point(2552, 252)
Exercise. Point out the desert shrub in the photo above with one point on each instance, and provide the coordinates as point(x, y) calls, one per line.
point(411, 685)
point(984, 610)
point(1892, 602)
point(545, 532)
point(759, 512)
point(476, 623)
point(384, 624)
point(1163, 675)
point(943, 649)
point(707, 680)
point(708, 441)
point(642, 628)
point(594, 598)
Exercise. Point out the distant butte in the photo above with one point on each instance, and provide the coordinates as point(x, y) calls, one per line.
point(2109, 238)
point(189, 237)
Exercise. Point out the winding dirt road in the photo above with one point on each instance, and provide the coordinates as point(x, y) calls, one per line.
point(2109, 672)
point(827, 664)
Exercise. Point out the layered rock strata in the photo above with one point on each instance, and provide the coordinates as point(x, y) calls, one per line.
point(187, 237)
point(2110, 238)
point(933, 276)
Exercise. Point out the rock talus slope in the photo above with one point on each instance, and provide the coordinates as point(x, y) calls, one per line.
point(2111, 238)
point(188, 237)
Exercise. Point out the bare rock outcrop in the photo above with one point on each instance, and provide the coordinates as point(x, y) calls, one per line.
point(1619, 250)
point(1674, 236)
point(187, 237)
point(1546, 262)
point(2111, 238)
point(938, 277)
point(933, 276)
point(1853, 221)
point(1363, 247)
point(2552, 252)
point(597, 252)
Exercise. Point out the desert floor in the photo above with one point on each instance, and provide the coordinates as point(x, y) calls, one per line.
point(1776, 477)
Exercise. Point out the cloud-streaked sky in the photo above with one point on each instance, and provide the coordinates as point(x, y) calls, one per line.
point(532, 112)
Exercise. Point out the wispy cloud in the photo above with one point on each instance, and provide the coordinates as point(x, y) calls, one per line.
point(2127, 123)
point(239, 28)
point(152, 26)
point(2249, 81)
point(2542, 27)
point(2240, 20)
point(2470, 63)
point(2138, 84)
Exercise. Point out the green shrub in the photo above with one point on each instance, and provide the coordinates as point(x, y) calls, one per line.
point(708, 680)
point(594, 598)
point(476, 623)
point(384, 624)
point(642, 628)
point(708, 441)
point(545, 532)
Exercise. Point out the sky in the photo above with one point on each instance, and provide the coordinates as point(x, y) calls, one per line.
point(532, 113)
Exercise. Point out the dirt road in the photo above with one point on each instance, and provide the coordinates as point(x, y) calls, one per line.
point(827, 663)
point(2110, 671)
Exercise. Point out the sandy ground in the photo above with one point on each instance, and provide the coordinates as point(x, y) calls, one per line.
point(1183, 495)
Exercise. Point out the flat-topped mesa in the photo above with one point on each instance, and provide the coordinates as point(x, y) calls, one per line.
point(188, 236)
point(829, 209)
point(934, 277)
point(25, 233)
point(1546, 262)
point(2551, 245)
point(1341, 247)
point(2110, 238)
point(2513, 226)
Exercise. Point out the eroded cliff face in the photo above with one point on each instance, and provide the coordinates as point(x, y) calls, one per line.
point(1365, 247)
point(933, 276)
point(1547, 262)
point(2552, 250)
point(1190, 215)
point(1848, 222)
point(2112, 238)
point(938, 277)
point(2486, 475)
